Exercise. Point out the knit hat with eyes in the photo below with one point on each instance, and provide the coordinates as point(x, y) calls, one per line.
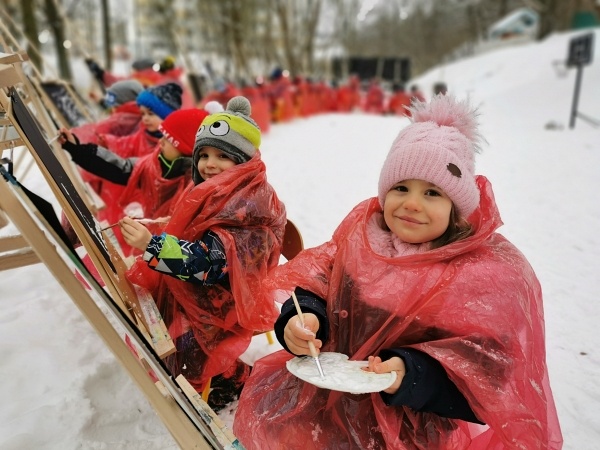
point(439, 146)
point(232, 131)
point(162, 99)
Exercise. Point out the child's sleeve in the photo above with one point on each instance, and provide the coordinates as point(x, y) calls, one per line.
point(426, 387)
point(308, 302)
point(200, 262)
point(101, 161)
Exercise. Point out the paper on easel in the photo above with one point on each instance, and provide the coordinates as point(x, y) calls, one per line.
point(157, 329)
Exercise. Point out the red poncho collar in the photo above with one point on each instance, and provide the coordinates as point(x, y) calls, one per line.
point(147, 186)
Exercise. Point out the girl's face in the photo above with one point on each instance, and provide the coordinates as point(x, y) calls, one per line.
point(168, 150)
point(212, 161)
point(417, 211)
point(150, 120)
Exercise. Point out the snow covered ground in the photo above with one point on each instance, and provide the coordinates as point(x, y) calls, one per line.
point(63, 389)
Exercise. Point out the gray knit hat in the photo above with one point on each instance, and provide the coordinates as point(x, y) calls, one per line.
point(232, 131)
point(122, 92)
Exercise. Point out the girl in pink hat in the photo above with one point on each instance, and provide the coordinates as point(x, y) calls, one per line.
point(415, 281)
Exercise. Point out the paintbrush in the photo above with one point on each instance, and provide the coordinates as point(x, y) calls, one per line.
point(142, 221)
point(55, 138)
point(311, 345)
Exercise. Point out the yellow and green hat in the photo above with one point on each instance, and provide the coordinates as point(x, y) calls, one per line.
point(232, 131)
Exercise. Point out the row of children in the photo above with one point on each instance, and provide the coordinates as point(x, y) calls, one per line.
point(278, 97)
point(415, 280)
point(282, 99)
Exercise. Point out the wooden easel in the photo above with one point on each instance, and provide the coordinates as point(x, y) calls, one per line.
point(36, 233)
point(104, 257)
point(46, 113)
point(184, 416)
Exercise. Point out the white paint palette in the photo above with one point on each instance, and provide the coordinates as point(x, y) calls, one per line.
point(340, 374)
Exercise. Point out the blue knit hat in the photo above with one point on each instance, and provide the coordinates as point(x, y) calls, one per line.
point(162, 100)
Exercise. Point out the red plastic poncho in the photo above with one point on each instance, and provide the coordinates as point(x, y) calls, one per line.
point(139, 143)
point(474, 305)
point(242, 208)
point(124, 121)
point(147, 187)
point(156, 195)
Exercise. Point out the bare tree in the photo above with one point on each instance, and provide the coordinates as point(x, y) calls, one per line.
point(298, 23)
point(106, 35)
point(57, 25)
point(30, 30)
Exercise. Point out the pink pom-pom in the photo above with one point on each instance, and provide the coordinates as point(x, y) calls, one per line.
point(447, 111)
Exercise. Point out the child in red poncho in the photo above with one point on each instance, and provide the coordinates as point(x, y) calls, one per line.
point(206, 270)
point(418, 282)
point(151, 183)
point(155, 104)
point(124, 113)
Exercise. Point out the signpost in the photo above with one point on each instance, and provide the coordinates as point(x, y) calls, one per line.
point(580, 54)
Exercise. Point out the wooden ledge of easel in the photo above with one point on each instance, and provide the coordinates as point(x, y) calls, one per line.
point(21, 254)
point(11, 243)
point(3, 220)
point(18, 142)
point(18, 259)
point(223, 434)
point(11, 58)
point(8, 76)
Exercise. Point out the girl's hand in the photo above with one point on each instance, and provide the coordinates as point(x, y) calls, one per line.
point(297, 338)
point(134, 233)
point(394, 364)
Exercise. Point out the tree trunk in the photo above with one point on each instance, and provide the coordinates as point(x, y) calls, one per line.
point(314, 12)
point(282, 15)
point(106, 36)
point(57, 26)
point(31, 32)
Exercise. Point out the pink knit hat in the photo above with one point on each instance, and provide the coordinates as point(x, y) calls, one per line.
point(439, 146)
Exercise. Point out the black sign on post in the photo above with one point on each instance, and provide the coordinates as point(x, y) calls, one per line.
point(580, 50)
point(580, 54)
